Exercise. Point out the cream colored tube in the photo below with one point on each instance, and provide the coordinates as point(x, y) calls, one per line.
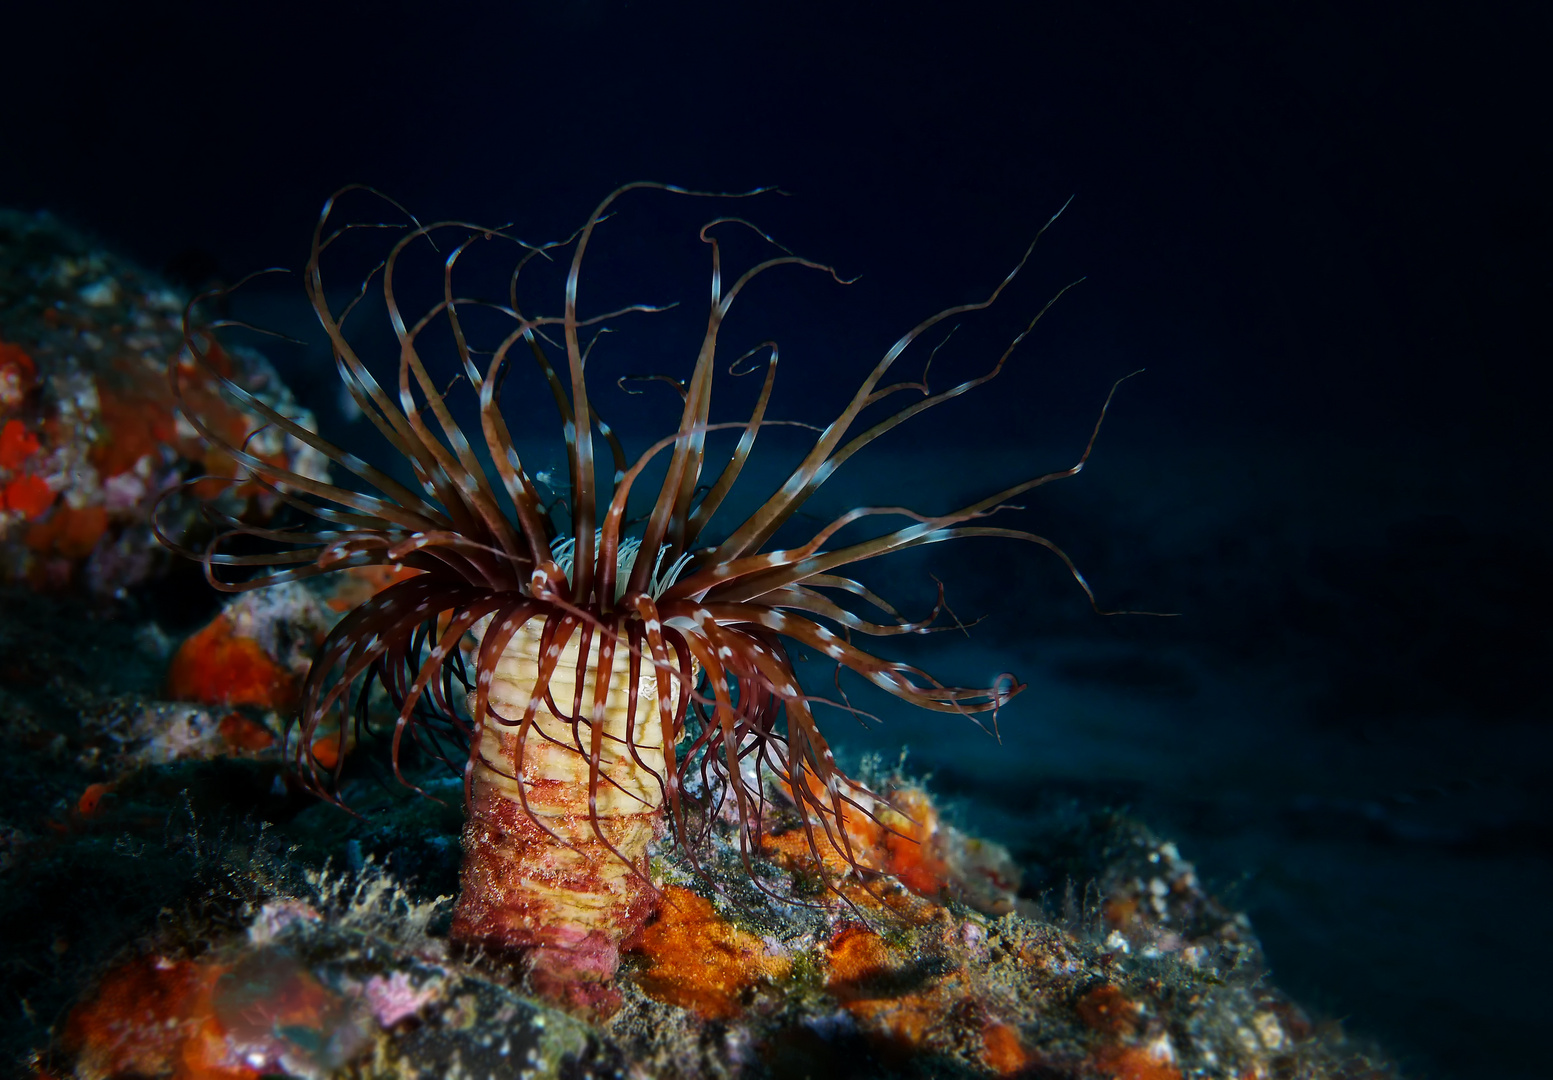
point(570, 906)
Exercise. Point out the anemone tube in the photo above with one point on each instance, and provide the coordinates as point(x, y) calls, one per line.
point(607, 669)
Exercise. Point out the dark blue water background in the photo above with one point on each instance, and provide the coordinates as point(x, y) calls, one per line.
point(1324, 233)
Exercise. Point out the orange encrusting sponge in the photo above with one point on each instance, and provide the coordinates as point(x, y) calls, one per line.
point(24, 493)
point(899, 838)
point(215, 666)
point(699, 960)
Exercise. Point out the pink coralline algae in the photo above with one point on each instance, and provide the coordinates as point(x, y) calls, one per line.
point(395, 997)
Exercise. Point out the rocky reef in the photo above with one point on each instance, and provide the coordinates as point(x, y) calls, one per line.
point(178, 906)
point(182, 909)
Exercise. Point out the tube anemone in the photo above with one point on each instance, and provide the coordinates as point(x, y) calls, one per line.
point(581, 673)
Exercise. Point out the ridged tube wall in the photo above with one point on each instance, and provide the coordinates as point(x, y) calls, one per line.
point(567, 905)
